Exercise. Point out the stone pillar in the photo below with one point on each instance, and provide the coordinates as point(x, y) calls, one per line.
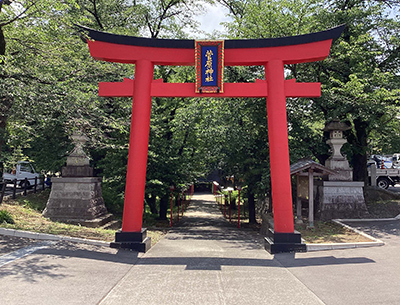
point(76, 197)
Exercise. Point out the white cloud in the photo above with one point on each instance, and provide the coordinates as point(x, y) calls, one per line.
point(210, 21)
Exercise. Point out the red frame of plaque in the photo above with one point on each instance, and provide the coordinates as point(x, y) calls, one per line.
point(200, 88)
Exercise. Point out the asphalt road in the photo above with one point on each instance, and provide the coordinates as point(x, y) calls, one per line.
point(204, 260)
point(61, 273)
point(353, 276)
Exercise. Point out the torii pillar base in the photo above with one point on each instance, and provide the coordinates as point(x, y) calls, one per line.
point(135, 241)
point(283, 242)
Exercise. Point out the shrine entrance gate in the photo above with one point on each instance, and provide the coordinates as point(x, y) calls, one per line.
point(273, 54)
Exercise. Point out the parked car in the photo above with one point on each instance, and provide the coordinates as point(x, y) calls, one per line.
point(387, 170)
point(22, 170)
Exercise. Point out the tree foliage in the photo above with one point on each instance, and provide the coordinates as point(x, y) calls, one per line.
point(360, 79)
point(49, 84)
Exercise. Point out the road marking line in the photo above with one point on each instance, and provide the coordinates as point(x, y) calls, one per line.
point(10, 257)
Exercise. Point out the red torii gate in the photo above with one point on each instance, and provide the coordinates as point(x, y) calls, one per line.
point(271, 53)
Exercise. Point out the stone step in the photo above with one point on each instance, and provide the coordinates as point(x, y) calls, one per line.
point(113, 225)
point(95, 223)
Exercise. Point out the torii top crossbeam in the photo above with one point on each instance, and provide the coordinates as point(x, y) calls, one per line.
point(171, 52)
point(240, 52)
point(273, 54)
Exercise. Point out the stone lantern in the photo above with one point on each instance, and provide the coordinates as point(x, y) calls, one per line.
point(76, 197)
point(337, 161)
point(338, 196)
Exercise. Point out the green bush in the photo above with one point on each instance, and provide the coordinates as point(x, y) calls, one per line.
point(5, 216)
point(113, 198)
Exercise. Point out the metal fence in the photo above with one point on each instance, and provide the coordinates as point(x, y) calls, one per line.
point(22, 186)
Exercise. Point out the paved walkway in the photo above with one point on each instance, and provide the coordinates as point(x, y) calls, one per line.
point(208, 261)
point(204, 260)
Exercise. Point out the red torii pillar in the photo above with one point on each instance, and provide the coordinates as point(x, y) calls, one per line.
point(271, 53)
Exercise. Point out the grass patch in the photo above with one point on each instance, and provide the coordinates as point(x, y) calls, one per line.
point(5, 217)
point(28, 219)
point(328, 232)
point(383, 209)
point(33, 201)
point(27, 215)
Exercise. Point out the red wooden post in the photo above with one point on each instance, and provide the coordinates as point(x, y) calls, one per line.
point(138, 147)
point(225, 205)
point(179, 201)
point(183, 201)
point(229, 202)
point(279, 148)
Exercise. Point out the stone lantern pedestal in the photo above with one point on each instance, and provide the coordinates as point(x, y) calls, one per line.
point(76, 197)
point(338, 162)
point(339, 196)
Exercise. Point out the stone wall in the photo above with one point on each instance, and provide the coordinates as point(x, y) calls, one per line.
point(340, 199)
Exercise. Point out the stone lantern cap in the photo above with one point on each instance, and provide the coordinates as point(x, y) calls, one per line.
point(336, 128)
point(336, 125)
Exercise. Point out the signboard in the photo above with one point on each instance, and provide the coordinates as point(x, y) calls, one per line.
point(209, 63)
point(302, 188)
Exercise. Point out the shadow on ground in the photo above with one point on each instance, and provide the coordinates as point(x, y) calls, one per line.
point(379, 229)
point(215, 263)
point(12, 243)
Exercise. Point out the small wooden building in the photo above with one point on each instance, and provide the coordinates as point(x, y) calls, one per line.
point(305, 171)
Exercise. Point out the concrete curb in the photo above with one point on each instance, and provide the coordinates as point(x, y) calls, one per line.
point(42, 236)
point(337, 246)
point(341, 246)
point(372, 219)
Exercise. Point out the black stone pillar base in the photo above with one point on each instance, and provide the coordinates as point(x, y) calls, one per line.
point(136, 241)
point(283, 242)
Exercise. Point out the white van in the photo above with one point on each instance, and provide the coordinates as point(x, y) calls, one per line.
point(22, 170)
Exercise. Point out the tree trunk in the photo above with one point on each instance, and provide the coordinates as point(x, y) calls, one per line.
point(270, 210)
point(360, 168)
point(2, 116)
point(252, 207)
point(2, 42)
point(233, 204)
point(5, 106)
point(151, 202)
point(360, 146)
point(6, 102)
point(163, 207)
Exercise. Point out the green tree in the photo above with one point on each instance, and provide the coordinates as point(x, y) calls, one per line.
point(359, 79)
point(49, 81)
